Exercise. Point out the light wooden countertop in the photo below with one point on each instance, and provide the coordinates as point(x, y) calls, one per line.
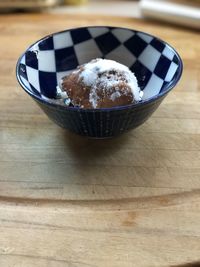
point(69, 201)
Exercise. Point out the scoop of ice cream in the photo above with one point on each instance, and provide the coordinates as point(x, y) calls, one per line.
point(101, 83)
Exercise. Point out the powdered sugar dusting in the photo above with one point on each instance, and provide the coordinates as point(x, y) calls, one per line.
point(115, 95)
point(95, 74)
point(62, 95)
point(93, 98)
point(105, 78)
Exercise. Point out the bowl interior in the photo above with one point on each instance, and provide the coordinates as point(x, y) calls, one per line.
point(155, 64)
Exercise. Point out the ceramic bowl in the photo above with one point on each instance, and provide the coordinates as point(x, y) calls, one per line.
point(157, 66)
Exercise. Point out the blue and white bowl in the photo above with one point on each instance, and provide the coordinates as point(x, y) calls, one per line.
point(155, 63)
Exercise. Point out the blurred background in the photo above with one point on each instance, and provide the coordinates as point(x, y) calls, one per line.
point(182, 12)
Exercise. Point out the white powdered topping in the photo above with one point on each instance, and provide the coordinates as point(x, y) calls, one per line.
point(106, 75)
point(93, 98)
point(115, 95)
point(62, 95)
point(94, 74)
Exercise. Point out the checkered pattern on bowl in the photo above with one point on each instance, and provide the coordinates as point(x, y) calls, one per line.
point(154, 63)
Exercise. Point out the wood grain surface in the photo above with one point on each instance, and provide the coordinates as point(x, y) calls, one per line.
point(66, 201)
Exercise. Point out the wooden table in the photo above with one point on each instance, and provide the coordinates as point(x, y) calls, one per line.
point(69, 201)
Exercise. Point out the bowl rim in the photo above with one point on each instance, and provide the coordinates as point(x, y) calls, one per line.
point(47, 101)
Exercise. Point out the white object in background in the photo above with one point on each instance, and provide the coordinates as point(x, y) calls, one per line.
point(122, 8)
point(183, 14)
